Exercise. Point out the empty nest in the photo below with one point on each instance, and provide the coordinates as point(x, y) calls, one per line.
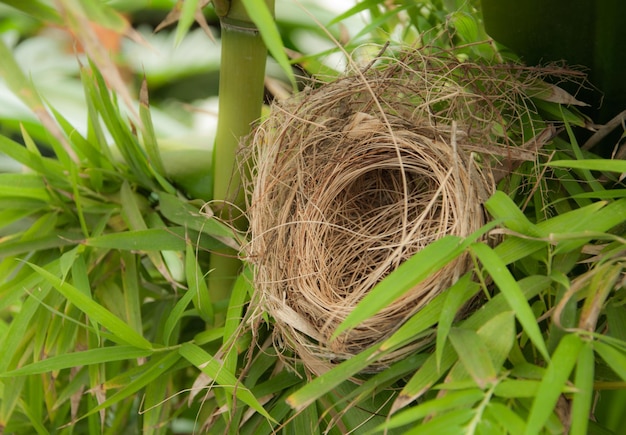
point(350, 179)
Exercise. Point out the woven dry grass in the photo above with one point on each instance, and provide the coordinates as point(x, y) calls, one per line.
point(352, 178)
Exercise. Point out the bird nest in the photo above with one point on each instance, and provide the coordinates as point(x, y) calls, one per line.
point(350, 179)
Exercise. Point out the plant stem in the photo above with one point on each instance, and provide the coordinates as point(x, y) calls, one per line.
point(242, 73)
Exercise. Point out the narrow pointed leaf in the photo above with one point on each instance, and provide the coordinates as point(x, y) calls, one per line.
point(513, 294)
point(613, 357)
point(553, 382)
point(151, 371)
point(225, 379)
point(121, 330)
point(457, 295)
point(76, 359)
point(263, 19)
point(592, 164)
point(452, 400)
point(583, 397)
point(410, 273)
point(474, 356)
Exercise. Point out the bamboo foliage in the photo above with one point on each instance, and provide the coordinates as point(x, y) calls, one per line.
point(109, 322)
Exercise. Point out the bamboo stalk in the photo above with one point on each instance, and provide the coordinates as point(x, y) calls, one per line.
point(242, 75)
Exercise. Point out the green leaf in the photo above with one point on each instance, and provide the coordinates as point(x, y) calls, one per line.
point(553, 382)
point(153, 239)
point(515, 388)
point(425, 377)
point(430, 371)
point(263, 19)
point(225, 379)
point(182, 213)
point(451, 400)
point(76, 359)
point(498, 334)
point(583, 397)
point(132, 297)
point(175, 315)
point(10, 246)
point(197, 285)
point(502, 208)
point(30, 186)
point(185, 20)
point(507, 418)
point(36, 9)
point(359, 7)
point(149, 372)
point(513, 294)
point(456, 297)
point(429, 315)
point(591, 164)
point(444, 424)
point(613, 357)
point(95, 311)
point(474, 356)
point(410, 273)
point(147, 130)
point(321, 385)
point(234, 317)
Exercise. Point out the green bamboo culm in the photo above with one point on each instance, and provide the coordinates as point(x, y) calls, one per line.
point(242, 75)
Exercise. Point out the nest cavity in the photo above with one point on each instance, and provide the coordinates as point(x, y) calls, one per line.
point(352, 178)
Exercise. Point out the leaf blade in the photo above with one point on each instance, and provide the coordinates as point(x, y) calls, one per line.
point(97, 312)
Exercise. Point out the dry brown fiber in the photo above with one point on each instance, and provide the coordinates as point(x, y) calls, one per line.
point(351, 178)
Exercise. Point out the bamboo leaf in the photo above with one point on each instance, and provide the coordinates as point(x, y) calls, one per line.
point(262, 17)
point(359, 7)
point(557, 373)
point(583, 397)
point(321, 385)
point(430, 371)
point(613, 357)
point(427, 375)
point(498, 334)
point(95, 311)
point(474, 356)
point(184, 214)
point(153, 239)
point(29, 186)
point(428, 316)
point(147, 130)
point(452, 400)
point(78, 16)
point(449, 423)
point(410, 273)
point(150, 371)
point(10, 246)
point(234, 317)
point(175, 315)
point(36, 9)
point(605, 165)
point(513, 294)
point(23, 88)
point(507, 418)
point(456, 296)
point(132, 298)
point(197, 285)
point(214, 369)
point(76, 359)
point(513, 248)
point(515, 388)
point(501, 207)
point(186, 19)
